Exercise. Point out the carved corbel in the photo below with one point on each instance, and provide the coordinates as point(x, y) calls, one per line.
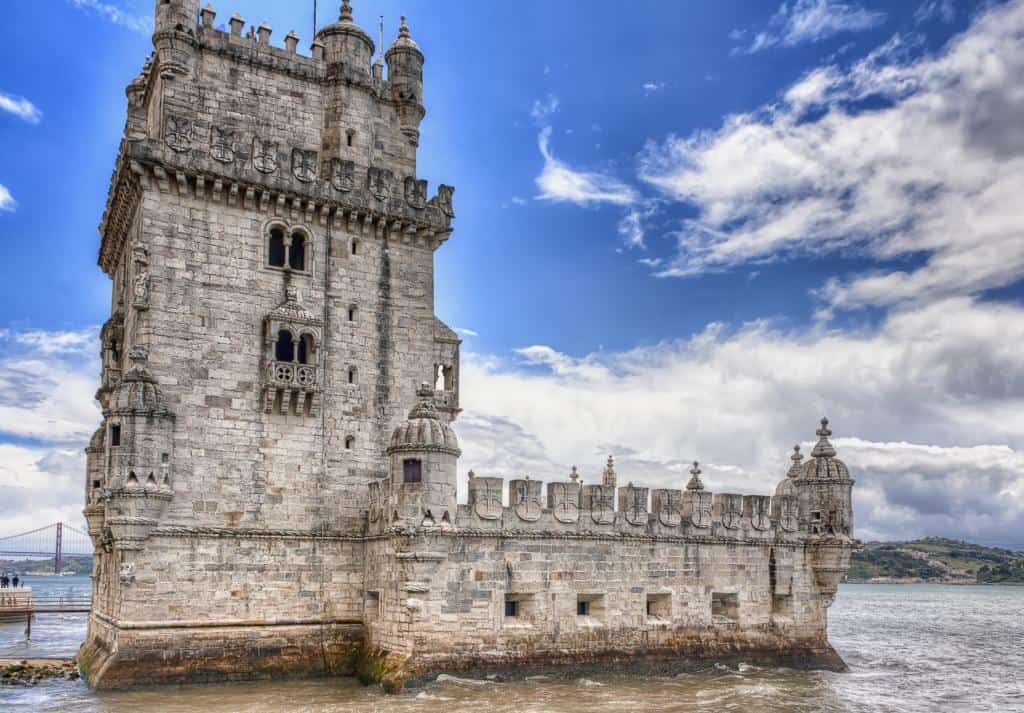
point(161, 179)
point(233, 195)
point(250, 198)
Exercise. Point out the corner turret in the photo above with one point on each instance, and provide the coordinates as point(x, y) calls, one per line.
point(174, 36)
point(346, 43)
point(424, 455)
point(405, 75)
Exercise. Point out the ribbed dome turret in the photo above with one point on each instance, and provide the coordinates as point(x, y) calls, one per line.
point(404, 40)
point(424, 430)
point(823, 464)
point(345, 41)
point(137, 393)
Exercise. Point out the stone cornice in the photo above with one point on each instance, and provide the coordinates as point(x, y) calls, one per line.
point(147, 163)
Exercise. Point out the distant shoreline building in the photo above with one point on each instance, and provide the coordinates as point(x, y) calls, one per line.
point(272, 490)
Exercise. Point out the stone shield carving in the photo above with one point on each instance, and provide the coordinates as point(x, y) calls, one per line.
point(600, 502)
point(343, 175)
point(304, 165)
point(222, 148)
point(486, 494)
point(564, 501)
point(700, 513)
point(415, 192)
point(668, 506)
point(264, 155)
point(379, 182)
point(732, 511)
point(760, 511)
point(178, 132)
point(525, 499)
point(633, 503)
point(789, 513)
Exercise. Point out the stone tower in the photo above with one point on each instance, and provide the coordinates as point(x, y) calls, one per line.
point(270, 247)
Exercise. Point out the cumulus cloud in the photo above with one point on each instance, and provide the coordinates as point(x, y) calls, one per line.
point(807, 21)
point(20, 107)
point(652, 87)
point(7, 202)
point(930, 9)
point(895, 157)
point(562, 184)
point(927, 411)
point(116, 15)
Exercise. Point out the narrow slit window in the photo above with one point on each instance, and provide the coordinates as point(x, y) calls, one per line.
point(355, 247)
point(350, 442)
point(352, 313)
point(115, 434)
point(350, 137)
point(351, 375)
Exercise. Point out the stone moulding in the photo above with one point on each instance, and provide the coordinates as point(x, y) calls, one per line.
point(223, 623)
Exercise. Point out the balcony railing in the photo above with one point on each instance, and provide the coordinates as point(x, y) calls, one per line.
point(291, 375)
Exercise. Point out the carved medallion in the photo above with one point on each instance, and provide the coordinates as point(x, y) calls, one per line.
point(486, 495)
point(264, 155)
point(415, 192)
point(343, 175)
point(222, 147)
point(668, 504)
point(379, 182)
point(564, 501)
point(732, 511)
point(178, 132)
point(700, 515)
point(304, 165)
point(525, 499)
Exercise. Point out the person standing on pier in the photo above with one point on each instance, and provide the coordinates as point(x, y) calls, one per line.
point(14, 581)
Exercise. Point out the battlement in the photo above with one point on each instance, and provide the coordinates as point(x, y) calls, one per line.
point(568, 508)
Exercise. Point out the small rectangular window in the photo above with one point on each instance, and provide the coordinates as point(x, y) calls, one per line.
point(725, 607)
point(582, 608)
point(412, 470)
point(115, 434)
point(659, 605)
point(511, 608)
point(95, 484)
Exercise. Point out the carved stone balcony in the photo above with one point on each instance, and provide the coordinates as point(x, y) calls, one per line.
point(291, 388)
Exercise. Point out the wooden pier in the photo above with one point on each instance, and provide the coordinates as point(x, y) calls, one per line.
point(18, 602)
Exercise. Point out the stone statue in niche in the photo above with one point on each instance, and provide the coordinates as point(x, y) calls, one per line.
point(304, 164)
point(178, 132)
point(376, 509)
point(343, 175)
point(415, 192)
point(127, 573)
point(264, 155)
point(222, 147)
point(379, 181)
point(140, 285)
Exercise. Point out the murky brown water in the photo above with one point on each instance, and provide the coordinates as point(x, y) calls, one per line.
point(911, 648)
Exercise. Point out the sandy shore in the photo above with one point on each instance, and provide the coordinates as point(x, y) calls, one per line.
point(28, 672)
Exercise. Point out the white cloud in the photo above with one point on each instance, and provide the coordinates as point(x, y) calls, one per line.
point(560, 183)
point(7, 202)
point(466, 332)
point(652, 87)
point(116, 15)
point(942, 9)
point(928, 411)
point(544, 108)
point(808, 21)
point(632, 227)
point(20, 107)
point(933, 167)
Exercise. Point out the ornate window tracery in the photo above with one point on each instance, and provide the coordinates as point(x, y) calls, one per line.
point(291, 377)
point(288, 248)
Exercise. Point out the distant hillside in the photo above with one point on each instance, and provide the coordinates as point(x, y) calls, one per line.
point(72, 564)
point(936, 559)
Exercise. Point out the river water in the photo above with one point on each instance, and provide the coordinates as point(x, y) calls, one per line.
point(911, 648)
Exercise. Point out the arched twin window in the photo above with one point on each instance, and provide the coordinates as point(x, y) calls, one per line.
point(287, 251)
point(288, 350)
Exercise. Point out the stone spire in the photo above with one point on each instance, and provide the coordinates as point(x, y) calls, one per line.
point(608, 476)
point(797, 458)
point(823, 448)
point(345, 14)
point(695, 481)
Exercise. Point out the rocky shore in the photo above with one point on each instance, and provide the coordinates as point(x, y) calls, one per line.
point(29, 672)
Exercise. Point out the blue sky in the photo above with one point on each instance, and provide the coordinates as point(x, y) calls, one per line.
point(684, 230)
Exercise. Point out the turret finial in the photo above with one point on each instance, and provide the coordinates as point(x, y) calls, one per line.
point(346, 11)
point(823, 449)
point(574, 475)
point(695, 481)
point(797, 458)
point(608, 478)
point(403, 29)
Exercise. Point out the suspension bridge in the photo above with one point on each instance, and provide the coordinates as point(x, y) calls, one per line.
point(58, 541)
